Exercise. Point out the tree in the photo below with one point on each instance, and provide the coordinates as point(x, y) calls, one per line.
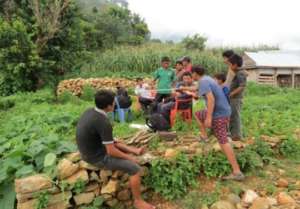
point(196, 42)
point(19, 59)
point(48, 15)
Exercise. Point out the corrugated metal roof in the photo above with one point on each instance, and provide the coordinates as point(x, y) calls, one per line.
point(275, 58)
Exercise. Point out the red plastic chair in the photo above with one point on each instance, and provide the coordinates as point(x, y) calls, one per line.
point(186, 114)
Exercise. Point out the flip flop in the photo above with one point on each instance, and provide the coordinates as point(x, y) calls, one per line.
point(235, 177)
point(203, 139)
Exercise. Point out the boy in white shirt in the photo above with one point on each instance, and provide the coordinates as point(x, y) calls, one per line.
point(143, 91)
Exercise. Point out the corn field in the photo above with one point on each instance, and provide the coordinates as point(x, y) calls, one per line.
point(129, 60)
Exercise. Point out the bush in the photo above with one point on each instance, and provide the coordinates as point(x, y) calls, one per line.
point(171, 178)
point(263, 149)
point(249, 160)
point(290, 148)
point(66, 97)
point(6, 104)
point(88, 93)
point(19, 58)
point(215, 164)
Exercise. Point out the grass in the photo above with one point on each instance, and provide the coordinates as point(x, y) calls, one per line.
point(35, 124)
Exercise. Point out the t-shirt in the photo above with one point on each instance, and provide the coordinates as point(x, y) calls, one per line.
point(222, 107)
point(226, 92)
point(239, 80)
point(93, 132)
point(184, 96)
point(165, 79)
point(143, 91)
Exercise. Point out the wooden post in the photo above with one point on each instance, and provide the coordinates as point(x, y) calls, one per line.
point(275, 77)
point(293, 78)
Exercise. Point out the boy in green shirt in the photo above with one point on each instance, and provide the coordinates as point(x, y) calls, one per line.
point(165, 77)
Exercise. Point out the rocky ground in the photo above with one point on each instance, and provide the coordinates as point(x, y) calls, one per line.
point(77, 183)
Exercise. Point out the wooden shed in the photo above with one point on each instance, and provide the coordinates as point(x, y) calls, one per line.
point(277, 68)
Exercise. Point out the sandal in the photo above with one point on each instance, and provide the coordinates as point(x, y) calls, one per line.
point(235, 177)
point(203, 139)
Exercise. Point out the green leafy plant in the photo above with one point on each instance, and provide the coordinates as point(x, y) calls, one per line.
point(171, 178)
point(42, 200)
point(181, 125)
point(78, 187)
point(6, 104)
point(97, 203)
point(67, 96)
point(249, 160)
point(263, 149)
point(290, 148)
point(88, 93)
point(215, 164)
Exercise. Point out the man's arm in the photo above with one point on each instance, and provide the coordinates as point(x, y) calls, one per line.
point(236, 91)
point(210, 108)
point(242, 80)
point(113, 151)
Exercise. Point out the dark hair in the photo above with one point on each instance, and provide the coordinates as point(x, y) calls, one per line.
point(199, 70)
point(165, 59)
point(220, 76)
point(186, 59)
point(104, 98)
point(178, 62)
point(236, 60)
point(228, 53)
point(139, 79)
point(187, 74)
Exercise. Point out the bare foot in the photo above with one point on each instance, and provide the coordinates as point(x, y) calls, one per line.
point(141, 204)
point(140, 151)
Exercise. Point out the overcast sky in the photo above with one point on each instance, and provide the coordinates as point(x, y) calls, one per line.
point(225, 22)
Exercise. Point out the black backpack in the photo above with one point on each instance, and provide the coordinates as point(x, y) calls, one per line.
point(157, 122)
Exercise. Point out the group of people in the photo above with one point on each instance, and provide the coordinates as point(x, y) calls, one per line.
point(222, 93)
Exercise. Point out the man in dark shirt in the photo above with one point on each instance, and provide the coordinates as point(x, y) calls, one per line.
point(95, 142)
point(237, 88)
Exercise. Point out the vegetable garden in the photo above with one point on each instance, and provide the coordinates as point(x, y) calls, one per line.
point(38, 129)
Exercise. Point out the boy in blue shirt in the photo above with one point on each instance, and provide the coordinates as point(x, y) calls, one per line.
point(216, 116)
point(221, 78)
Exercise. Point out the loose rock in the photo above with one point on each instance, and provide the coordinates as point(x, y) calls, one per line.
point(84, 198)
point(110, 188)
point(249, 196)
point(284, 198)
point(66, 168)
point(282, 183)
point(260, 203)
point(32, 184)
point(81, 175)
point(222, 205)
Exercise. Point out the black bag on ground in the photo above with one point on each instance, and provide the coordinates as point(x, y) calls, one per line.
point(157, 122)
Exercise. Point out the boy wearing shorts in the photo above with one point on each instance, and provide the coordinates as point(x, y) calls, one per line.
point(94, 137)
point(216, 116)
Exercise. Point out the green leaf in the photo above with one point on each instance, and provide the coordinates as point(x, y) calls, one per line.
point(50, 159)
point(24, 171)
point(7, 196)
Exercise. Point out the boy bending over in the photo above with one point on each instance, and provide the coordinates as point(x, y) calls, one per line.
point(216, 116)
point(95, 142)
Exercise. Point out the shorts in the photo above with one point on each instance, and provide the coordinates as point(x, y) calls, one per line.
point(118, 164)
point(219, 126)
